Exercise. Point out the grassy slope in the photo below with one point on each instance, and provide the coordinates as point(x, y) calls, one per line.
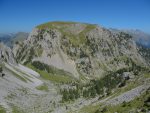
point(53, 24)
point(2, 110)
point(53, 77)
point(61, 26)
point(133, 106)
point(15, 109)
point(124, 107)
point(43, 87)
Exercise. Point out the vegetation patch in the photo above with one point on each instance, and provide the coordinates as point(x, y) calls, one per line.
point(139, 104)
point(15, 109)
point(43, 87)
point(99, 87)
point(52, 74)
point(54, 24)
point(89, 109)
point(2, 109)
point(147, 75)
point(103, 86)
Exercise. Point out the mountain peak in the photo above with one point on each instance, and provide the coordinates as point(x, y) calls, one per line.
point(60, 24)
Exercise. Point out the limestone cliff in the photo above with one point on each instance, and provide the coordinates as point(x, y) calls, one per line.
point(82, 49)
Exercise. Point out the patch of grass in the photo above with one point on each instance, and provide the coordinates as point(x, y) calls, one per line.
point(76, 40)
point(132, 106)
point(147, 75)
point(2, 109)
point(57, 76)
point(43, 87)
point(82, 37)
point(88, 28)
point(53, 24)
point(89, 109)
point(73, 39)
point(15, 109)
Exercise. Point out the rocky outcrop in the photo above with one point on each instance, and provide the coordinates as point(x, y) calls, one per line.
point(6, 54)
point(78, 48)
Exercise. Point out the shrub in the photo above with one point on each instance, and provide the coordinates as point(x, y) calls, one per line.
point(1, 69)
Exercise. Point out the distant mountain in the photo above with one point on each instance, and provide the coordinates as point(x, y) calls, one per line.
point(139, 36)
point(6, 38)
point(11, 38)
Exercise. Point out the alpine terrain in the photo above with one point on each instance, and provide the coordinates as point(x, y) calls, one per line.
point(71, 67)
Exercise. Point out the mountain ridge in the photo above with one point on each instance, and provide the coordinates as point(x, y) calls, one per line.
point(11, 38)
point(139, 36)
point(84, 42)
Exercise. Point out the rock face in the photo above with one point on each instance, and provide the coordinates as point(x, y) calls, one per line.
point(79, 48)
point(6, 54)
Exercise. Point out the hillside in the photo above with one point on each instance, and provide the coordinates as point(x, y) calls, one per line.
point(74, 67)
point(81, 49)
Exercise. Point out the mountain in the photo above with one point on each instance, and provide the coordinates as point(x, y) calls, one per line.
point(6, 38)
point(82, 49)
point(74, 67)
point(19, 37)
point(139, 36)
point(11, 38)
point(142, 40)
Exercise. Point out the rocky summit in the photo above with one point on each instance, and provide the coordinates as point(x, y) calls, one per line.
point(82, 49)
point(77, 68)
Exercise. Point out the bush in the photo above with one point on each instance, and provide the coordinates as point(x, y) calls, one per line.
point(1, 69)
point(124, 104)
point(39, 65)
point(70, 94)
point(104, 110)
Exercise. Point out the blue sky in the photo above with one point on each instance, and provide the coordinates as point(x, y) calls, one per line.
point(24, 15)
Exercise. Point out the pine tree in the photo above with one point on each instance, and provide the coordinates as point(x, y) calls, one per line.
point(93, 92)
point(65, 95)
